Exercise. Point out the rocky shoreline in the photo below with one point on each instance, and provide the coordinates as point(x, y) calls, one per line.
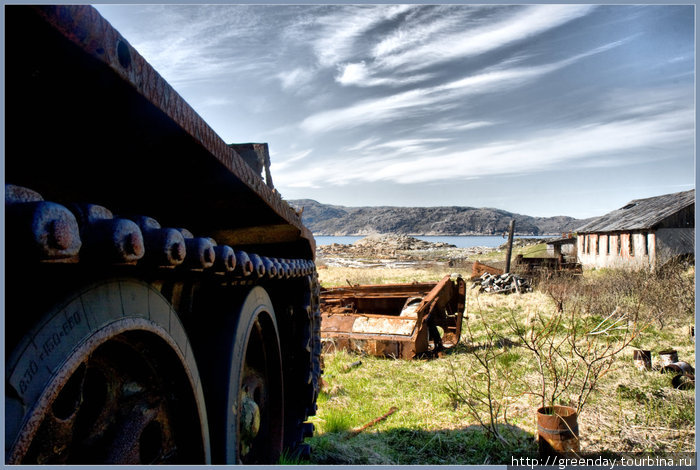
point(393, 251)
point(397, 250)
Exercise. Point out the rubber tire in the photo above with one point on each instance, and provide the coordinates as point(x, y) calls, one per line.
point(222, 370)
point(50, 352)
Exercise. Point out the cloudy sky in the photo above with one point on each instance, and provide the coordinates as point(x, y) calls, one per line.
point(540, 109)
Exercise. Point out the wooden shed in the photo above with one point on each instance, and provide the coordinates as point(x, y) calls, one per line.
point(645, 233)
point(565, 246)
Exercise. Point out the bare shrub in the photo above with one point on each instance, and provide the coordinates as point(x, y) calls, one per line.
point(572, 353)
point(671, 294)
point(486, 385)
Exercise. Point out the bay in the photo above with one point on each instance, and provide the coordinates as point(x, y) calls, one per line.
point(466, 241)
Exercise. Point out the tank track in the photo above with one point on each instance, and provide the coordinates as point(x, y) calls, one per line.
point(49, 232)
point(91, 236)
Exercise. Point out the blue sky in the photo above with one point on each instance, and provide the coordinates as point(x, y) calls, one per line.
point(536, 109)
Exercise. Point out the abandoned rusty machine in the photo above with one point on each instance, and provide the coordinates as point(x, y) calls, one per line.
point(162, 303)
point(394, 320)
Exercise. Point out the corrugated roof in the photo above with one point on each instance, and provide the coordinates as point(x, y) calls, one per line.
point(641, 214)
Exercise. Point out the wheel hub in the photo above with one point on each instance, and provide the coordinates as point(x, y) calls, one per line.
point(250, 415)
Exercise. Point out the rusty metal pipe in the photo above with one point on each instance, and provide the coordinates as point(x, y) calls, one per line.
point(244, 267)
point(42, 230)
point(165, 247)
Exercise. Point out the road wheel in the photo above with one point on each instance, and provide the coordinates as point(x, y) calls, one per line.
point(107, 377)
point(242, 376)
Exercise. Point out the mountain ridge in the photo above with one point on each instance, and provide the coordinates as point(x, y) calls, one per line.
point(328, 219)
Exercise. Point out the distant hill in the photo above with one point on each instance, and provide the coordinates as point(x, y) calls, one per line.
point(324, 219)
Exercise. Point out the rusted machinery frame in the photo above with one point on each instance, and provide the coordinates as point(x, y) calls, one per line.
point(339, 326)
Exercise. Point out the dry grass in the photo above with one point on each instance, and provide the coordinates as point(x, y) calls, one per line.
point(337, 276)
point(630, 410)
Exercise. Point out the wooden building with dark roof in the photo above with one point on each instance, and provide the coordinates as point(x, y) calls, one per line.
point(645, 233)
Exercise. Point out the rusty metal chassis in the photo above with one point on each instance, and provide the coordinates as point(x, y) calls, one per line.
point(367, 318)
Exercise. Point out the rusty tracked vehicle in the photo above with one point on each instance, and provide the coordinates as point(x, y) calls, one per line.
point(393, 320)
point(161, 298)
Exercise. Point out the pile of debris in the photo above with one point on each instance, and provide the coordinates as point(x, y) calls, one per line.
point(502, 283)
point(387, 245)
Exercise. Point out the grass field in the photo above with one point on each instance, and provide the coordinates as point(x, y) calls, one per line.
point(437, 415)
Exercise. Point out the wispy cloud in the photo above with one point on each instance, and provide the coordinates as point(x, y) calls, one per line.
point(452, 126)
point(358, 74)
point(342, 28)
point(546, 152)
point(194, 44)
point(424, 44)
point(431, 99)
point(404, 143)
point(363, 144)
point(525, 23)
point(607, 143)
point(296, 78)
point(419, 29)
point(293, 158)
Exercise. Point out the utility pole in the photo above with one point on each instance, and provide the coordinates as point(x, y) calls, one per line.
point(510, 244)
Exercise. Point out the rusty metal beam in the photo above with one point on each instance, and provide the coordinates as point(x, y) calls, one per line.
point(264, 235)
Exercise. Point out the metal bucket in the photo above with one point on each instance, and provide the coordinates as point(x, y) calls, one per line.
point(642, 359)
point(669, 356)
point(557, 430)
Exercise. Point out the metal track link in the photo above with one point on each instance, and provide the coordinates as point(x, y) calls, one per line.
point(48, 232)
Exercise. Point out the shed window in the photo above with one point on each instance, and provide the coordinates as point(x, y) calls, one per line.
point(619, 244)
point(646, 244)
point(631, 244)
point(607, 239)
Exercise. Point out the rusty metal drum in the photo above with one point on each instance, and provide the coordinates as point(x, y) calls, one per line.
point(557, 430)
point(642, 359)
point(667, 356)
